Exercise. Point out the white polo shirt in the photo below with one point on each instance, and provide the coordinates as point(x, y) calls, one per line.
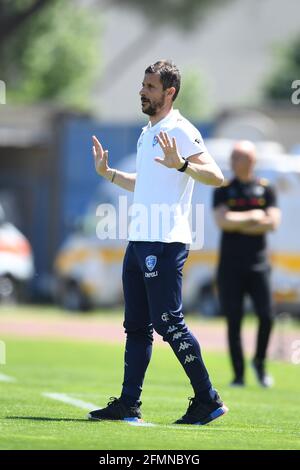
point(162, 196)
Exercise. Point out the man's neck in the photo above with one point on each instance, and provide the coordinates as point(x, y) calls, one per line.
point(245, 178)
point(160, 115)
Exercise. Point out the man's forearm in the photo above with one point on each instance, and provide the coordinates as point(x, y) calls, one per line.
point(121, 178)
point(234, 221)
point(206, 173)
point(258, 228)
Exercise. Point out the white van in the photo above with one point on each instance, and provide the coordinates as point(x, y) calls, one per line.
point(88, 270)
point(16, 261)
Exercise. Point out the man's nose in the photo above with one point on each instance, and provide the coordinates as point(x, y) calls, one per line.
point(143, 91)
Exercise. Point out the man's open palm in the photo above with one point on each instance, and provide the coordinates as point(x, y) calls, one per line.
point(100, 157)
point(172, 158)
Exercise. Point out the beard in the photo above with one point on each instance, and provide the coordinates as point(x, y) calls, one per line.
point(152, 108)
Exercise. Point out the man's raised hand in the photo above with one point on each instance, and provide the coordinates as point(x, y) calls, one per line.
point(171, 159)
point(100, 157)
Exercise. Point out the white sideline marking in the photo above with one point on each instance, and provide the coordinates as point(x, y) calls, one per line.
point(71, 401)
point(142, 424)
point(7, 378)
point(88, 406)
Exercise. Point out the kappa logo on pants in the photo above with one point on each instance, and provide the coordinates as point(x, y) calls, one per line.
point(183, 346)
point(171, 329)
point(177, 335)
point(150, 262)
point(190, 358)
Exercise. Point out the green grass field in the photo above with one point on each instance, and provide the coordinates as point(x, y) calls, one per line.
point(91, 372)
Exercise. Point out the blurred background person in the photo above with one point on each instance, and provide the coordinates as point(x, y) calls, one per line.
point(245, 210)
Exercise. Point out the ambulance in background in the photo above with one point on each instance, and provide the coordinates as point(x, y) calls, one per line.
point(16, 262)
point(88, 270)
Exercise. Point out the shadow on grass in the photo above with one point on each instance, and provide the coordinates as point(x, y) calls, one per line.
point(43, 418)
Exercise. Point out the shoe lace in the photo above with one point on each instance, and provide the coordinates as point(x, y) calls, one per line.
point(113, 401)
point(192, 404)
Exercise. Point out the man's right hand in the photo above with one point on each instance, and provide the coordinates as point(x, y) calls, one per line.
point(100, 158)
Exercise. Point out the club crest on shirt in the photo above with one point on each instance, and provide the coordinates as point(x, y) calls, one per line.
point(258, 190)
point(150, 262)
point(154, 141)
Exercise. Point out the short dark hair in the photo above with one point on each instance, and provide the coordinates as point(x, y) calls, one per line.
point(169, 75)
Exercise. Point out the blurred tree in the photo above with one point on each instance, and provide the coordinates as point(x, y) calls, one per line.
point(193, 100)
point(14, 14)
point(49, 51)
point(278, 86)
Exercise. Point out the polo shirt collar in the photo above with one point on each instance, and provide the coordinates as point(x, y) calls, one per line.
point(174, 113)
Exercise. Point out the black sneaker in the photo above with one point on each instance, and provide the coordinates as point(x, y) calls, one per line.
point(237, 382)
point(203, 413)
point(261, 376)
point(117, 410)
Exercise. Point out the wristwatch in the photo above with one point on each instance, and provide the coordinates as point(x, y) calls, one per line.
point(184, 166)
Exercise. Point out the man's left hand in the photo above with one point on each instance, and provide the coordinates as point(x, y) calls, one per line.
point(172, 158)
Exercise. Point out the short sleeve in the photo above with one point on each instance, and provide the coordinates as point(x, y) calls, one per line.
point(271, 198)
point(189, 141)
point(219, 197)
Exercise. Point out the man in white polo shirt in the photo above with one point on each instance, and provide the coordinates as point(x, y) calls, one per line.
point(171, 156)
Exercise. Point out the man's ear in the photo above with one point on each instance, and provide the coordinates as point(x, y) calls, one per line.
point(171, 91)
